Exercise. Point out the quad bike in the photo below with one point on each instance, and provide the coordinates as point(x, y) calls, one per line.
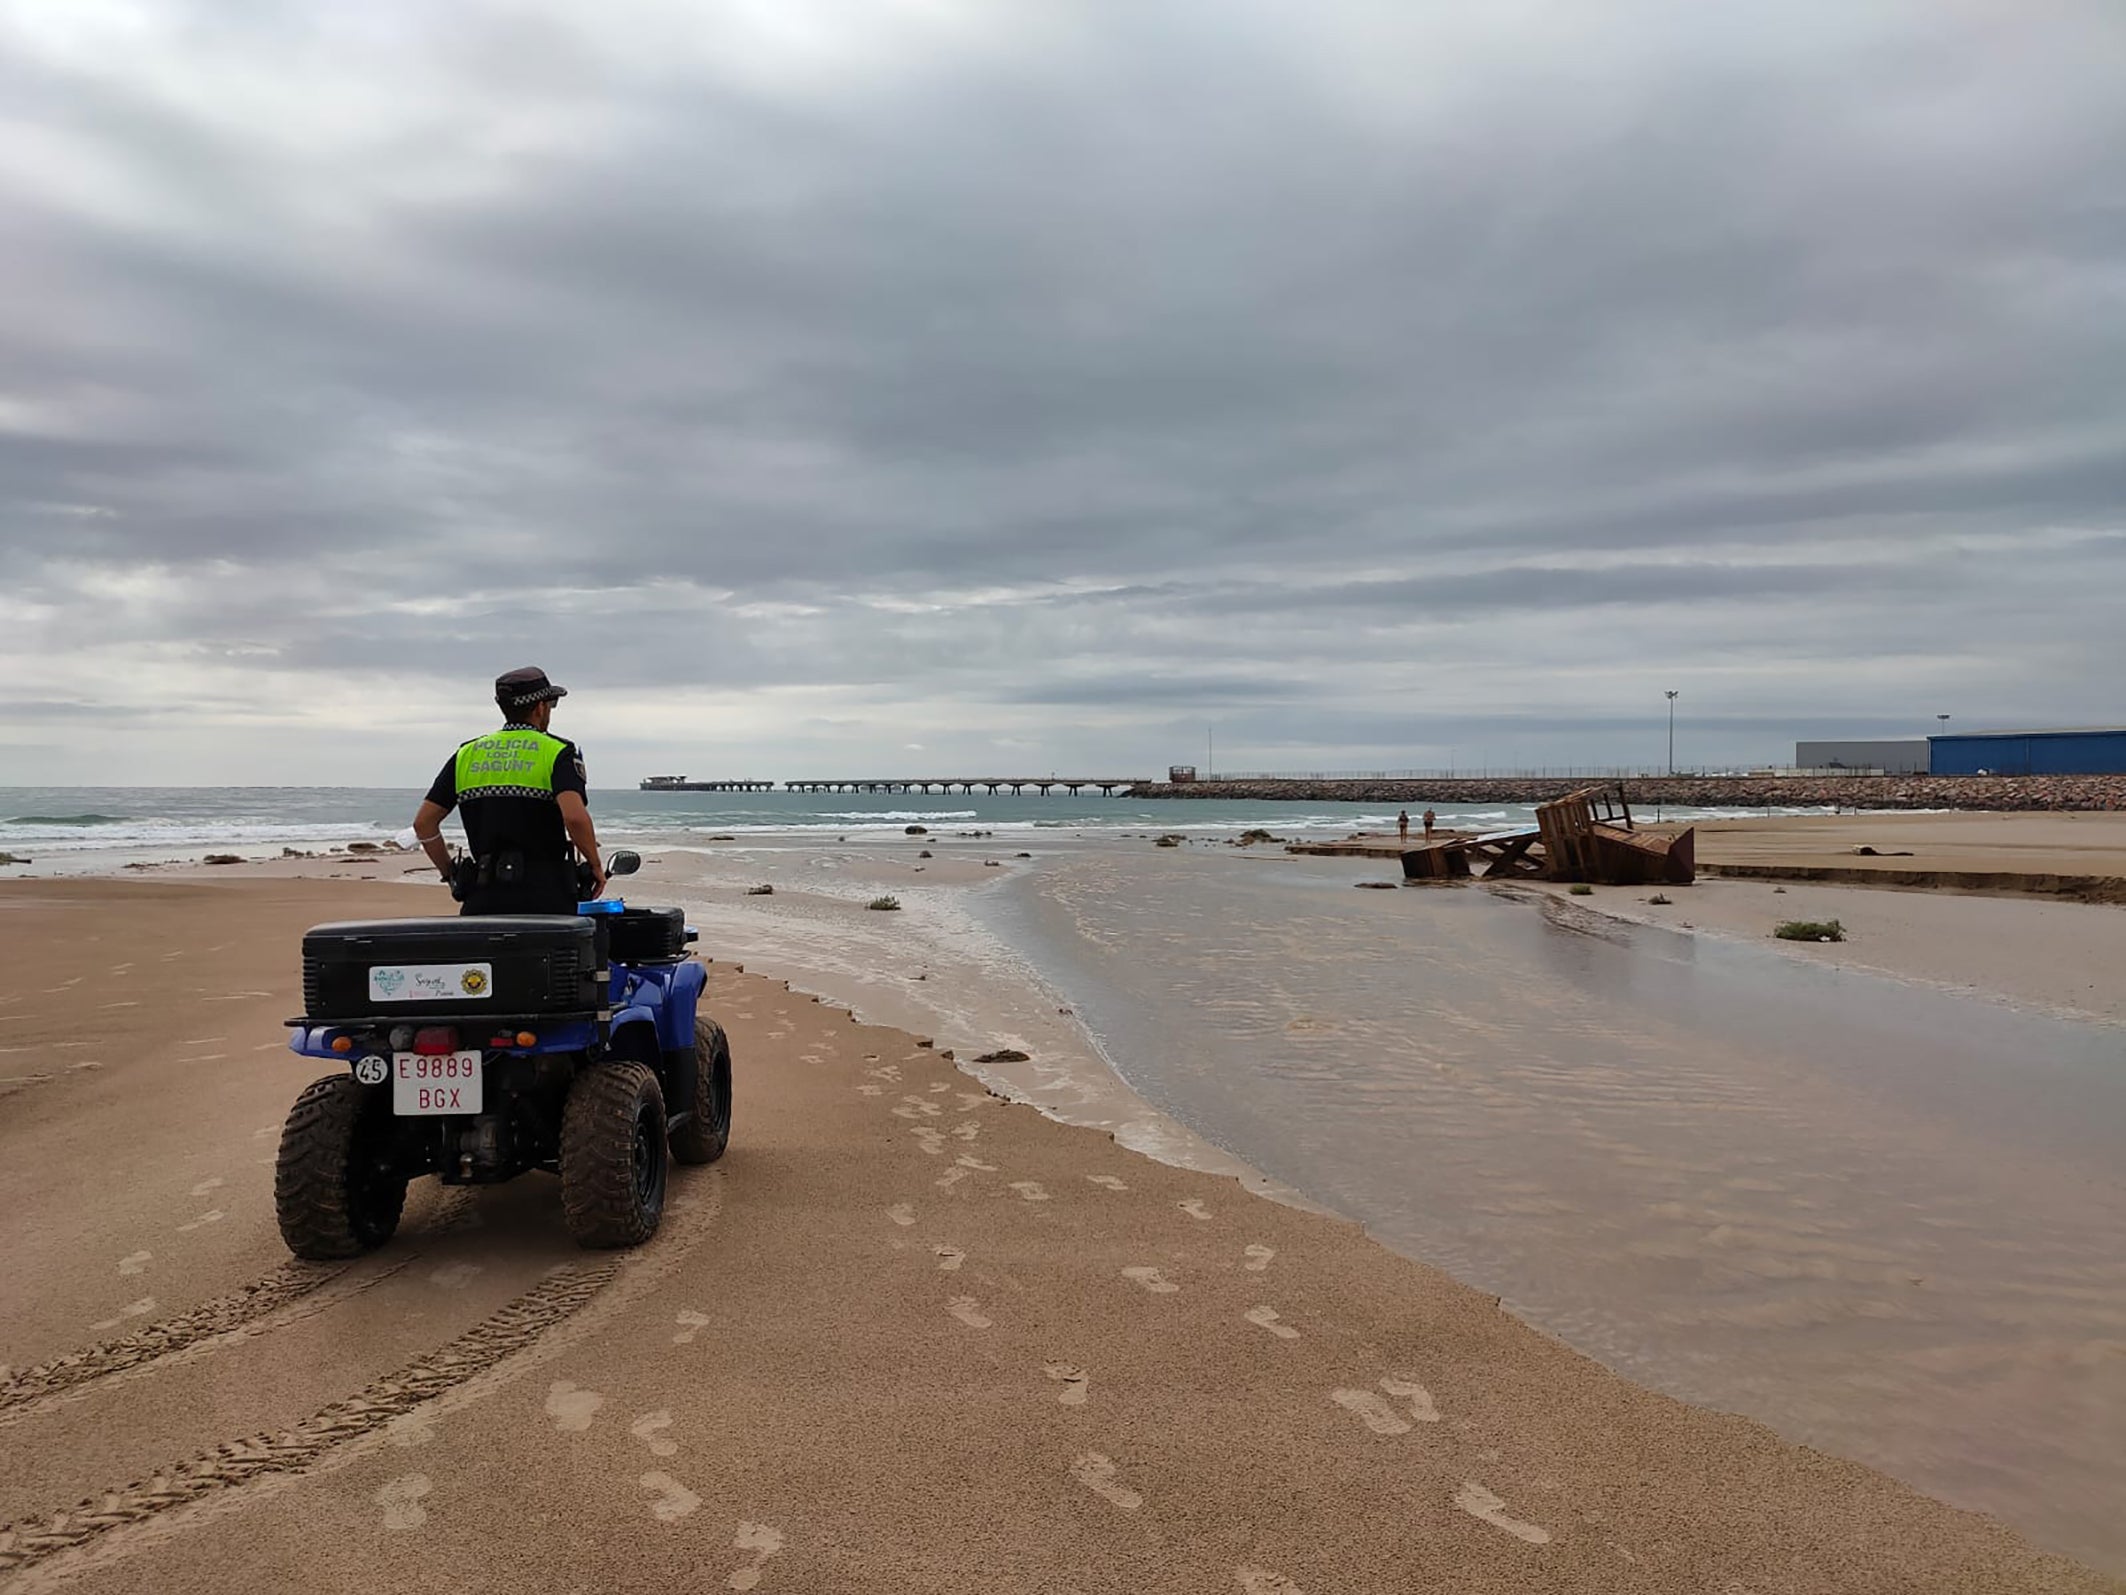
point(477, 1049)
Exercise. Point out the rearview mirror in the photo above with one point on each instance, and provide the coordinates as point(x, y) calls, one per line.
point(624, 862)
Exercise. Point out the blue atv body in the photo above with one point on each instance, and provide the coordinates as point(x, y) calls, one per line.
point(477, 1049)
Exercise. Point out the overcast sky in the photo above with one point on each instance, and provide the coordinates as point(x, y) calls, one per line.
point(942, 386)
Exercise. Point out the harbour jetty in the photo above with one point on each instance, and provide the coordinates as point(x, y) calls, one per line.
point(1994, 794)
point(1016, 785)
point(679, 783)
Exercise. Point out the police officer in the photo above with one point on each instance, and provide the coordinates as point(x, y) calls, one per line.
point(523, 798)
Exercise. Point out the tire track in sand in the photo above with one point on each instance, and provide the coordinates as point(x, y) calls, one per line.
point(286, 1295)
point(36, 1553)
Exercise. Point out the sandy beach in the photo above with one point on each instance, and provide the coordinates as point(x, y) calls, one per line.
point(906, 1335)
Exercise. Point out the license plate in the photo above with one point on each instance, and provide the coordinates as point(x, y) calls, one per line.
point(435, 1083)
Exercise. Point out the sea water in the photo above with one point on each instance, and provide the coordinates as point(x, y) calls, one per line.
point(175, 823)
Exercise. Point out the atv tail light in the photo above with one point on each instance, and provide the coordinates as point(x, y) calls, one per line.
point(343, 1043)
point(526, 1038)
point(435, 1041)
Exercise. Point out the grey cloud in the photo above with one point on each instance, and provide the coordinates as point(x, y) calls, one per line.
point(1244, 324)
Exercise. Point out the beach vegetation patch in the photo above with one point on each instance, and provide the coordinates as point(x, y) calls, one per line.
point(884, 904)
point(1581, 889)
point(1659, 900)
point(1810, 930)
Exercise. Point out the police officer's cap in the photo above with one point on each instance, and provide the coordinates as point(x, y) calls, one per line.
point(520, 689)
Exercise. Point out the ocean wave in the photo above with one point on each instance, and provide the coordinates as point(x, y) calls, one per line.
point(905, 815)
point(178, 837)
point(66, 819)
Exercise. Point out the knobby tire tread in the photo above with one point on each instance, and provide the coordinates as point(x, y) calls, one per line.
point(704, 1136)
point(312, 1196)
point(597, 1155)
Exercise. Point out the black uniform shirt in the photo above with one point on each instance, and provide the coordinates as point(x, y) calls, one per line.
point(531, 826)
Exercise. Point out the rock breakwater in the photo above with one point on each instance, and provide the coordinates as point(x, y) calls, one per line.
point(1991, 793)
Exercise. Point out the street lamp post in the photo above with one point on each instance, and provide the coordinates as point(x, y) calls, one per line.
point(1671, 733)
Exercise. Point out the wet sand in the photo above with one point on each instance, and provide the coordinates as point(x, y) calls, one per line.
point(904, 1336)
point(2061, 957)
point(2057, 844)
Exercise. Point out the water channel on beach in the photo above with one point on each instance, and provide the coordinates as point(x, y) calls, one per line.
point(1884, 1219)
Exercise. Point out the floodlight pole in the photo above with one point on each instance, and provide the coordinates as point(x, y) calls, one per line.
point(1671, 733)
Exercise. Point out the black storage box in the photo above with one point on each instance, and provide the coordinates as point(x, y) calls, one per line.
point(507, 965)
point(644, 935)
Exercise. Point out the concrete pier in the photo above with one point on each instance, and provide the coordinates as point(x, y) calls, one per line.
point(1016, 785)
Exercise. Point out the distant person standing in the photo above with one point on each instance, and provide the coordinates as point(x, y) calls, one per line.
point(1430, 820)
point(521, 790)
point(1402, 825)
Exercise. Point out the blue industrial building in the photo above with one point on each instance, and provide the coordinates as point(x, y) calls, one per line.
point(2097, 751)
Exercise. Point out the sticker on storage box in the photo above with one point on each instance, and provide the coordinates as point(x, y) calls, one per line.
point(430, 982)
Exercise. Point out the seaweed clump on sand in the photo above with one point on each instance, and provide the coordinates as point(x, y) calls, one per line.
point(1818, 930)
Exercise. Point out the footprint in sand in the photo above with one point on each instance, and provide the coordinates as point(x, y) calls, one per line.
point(968, 1312)
point(1152, 1280)
point(215, 1184)
point(692, 1323)
point(1259, 1257)
point(1194, 1208)
point(1479, 1502)
point(133, 1309)
point(967, 1129)
point(931, 1141)
point(949, 1258)
point(401, 1500)
point(135, 1262)
point(763, 1542)
point(918, 1108)
point(1097, 1474)
point(970, 1100)
point(891, 1071)
point(1261, 1581)
point(456, 1276)
point(570, 1408)
point(950, 1178)
point(1106, 1182)
point(1370, 1410)
point(212, 1215)
point(871, 1090)
point(1074, 1381)
point(942, 1085)
point(1422, 1409)
point(410, 1429)
point(1266, 1317)
point(902, 1213)
point(1029, 1190)
point(967, 1160)
point(674, 1500)
point(649, 1430)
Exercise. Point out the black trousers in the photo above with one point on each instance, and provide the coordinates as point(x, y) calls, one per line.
point(542, 887)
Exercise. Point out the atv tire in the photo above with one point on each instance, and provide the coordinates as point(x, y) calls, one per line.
point(614, 1159)
point(331, 1192)
point(707, 1130)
